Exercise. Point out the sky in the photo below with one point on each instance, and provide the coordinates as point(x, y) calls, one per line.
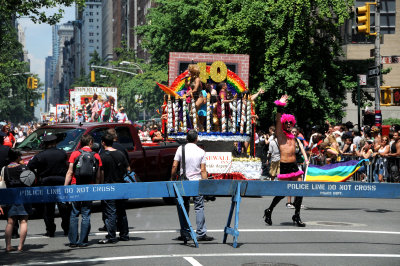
point(38, 40)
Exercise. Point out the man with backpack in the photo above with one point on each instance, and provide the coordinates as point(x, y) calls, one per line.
point(84, 169)
point(115, 167)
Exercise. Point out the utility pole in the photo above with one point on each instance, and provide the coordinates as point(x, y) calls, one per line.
point(378, 114)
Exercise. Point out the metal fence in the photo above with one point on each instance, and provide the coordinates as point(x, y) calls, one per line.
point(390, 167)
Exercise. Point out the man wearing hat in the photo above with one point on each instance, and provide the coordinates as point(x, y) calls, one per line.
point(121, 115)
point(50, 166)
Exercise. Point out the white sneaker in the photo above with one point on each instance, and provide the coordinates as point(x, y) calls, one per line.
point(289, 205)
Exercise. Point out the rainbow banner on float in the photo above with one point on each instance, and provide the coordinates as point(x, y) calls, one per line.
point(337, 172)
point(234, 82)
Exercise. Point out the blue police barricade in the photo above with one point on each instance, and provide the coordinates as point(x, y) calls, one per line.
point(234, 188)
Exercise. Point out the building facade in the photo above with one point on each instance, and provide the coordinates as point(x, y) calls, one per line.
point(357, 47)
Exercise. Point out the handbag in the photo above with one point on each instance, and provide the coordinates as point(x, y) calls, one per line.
point(183, 175)
point(2, 181)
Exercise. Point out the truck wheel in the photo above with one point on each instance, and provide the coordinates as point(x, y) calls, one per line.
point(169, 201)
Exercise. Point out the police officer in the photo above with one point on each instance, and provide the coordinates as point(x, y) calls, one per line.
point(50, 166)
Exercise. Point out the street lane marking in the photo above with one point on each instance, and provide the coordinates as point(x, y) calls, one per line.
point(241, 230)
point(217, 255)
point(192, 261)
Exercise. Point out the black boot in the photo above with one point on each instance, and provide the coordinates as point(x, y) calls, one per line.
point(296, 220)
point(267, 216)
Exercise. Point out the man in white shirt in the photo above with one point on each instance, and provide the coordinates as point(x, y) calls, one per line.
point(195, 164)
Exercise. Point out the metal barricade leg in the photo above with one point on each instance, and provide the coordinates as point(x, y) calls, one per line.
point(182, 206)
point(236, 198)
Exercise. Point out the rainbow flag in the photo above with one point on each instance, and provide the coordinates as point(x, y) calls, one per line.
point(337, 172)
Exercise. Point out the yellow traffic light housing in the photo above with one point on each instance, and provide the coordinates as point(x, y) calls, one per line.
point(29, 83)
point(364, 18)
point(34, 83)
point(92, 76)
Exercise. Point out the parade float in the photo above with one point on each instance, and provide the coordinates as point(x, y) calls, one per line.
point(223, 131)
point(80, 98)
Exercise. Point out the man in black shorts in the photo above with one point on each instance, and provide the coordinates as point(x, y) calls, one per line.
point(288, 166)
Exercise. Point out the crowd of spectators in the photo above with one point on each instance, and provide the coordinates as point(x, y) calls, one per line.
point(330, 144)
point(16, 133)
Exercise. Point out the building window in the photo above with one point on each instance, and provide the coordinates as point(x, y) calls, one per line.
point(91, 34)
point(90, 6)
point(91, 41)
point(90, 20)
point(90, 13)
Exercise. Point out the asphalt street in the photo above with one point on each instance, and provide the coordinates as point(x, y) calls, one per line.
point(339, 232)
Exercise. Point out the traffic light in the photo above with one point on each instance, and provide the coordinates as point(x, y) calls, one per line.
point(92, 76)
point(364, 18)
point(29, 83)
point(34, 83)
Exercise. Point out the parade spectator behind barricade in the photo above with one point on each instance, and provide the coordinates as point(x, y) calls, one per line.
point(349, 149)
point(376, 136)
point(262, 152)
point(314, 131)
point(316, 155)
point(9, 139)
point(357, 138)
point(274, 157)
point(19, 212)
point(115, 167)
point(195, 169)
point(121, 115)
point(84, 169)
point(366, 153)
point(338, 137)
point(50, 167)
point(332, 151)
point(394, 158)
point(381, 163)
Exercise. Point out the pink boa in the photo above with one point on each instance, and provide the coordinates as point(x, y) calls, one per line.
point(289, 135)
point(290, 175)
point(279, 103)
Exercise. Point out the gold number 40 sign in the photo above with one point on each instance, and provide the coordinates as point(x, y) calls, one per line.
point(218, 71)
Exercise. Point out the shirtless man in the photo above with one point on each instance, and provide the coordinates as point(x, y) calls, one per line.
point(288, 166)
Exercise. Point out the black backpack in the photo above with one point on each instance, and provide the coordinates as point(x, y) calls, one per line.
point(85, 168)
point(18, 176)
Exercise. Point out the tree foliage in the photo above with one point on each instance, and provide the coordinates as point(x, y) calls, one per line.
point(15, 98)
point(294, 47)
point(35, 9)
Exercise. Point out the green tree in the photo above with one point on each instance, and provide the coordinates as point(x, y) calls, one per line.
point(35, 9)
point(15, 98)
point(294, 47)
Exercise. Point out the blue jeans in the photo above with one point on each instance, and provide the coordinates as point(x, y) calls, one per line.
point(115, 218)
point(83, 208)
point(200, 218)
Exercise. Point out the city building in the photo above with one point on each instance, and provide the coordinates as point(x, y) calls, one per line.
point(357, 47)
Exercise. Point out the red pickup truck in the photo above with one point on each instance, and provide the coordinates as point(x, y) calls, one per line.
point(151, 162)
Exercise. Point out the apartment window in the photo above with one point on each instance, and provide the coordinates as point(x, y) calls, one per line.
point(91, 34)
point(90, 6)
point(91, 41)
point(91, 20)
point(90, 13)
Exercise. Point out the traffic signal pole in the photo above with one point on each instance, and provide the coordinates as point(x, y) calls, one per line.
point(378, 115)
